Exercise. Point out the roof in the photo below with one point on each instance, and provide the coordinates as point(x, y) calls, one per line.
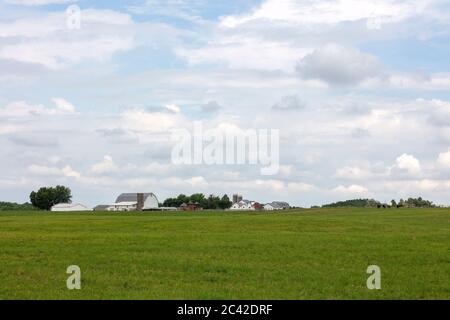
point(102, 207)
point(125, 203)
point(68, 205)
point(279, 204)
point(127, 197)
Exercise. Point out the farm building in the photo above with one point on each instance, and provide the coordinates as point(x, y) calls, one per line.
point(70, 207)
point(102, 207)
point(132, 202)
point(276, 205)
point(190, 206)
point(245, 205)
point(143, 201)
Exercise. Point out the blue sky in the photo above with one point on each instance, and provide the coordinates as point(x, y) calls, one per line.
point(358, 89)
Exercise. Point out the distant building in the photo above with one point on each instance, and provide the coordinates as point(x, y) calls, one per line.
point(123, 206)
point(246, 205)
point(132, 202)
point(143, 201)
point(237, 198)
point(190, 206)
point(102, 207)
point(277, 205)
point(68, 207)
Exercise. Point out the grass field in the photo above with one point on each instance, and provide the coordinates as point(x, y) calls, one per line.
point(303, 254)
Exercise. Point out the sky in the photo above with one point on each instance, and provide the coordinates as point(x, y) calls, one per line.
point(359, 91)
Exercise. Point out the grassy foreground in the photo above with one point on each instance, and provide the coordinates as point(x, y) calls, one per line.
point(303, 254)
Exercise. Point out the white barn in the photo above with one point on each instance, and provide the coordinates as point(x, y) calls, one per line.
point(134, 202)
point(67, 207)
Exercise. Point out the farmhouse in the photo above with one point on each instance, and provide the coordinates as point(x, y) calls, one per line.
point(245, 205)
point(190, 206)
point(67, 207)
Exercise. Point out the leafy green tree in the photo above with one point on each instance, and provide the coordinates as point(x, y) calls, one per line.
point(393, 203)
point(225, 202)
point(45, 198)
point(211, 202)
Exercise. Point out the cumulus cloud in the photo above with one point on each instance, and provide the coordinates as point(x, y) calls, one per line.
point(139, 119)
point(173, 108)
point(444, 159)
point(51, 44)
point(66, 171)
point(289, 103)
point(211, 106)
point(376, 13)
point(408, 163)
point(105, 166)
point(339, 65)
point(352, 173)
point(351, 190)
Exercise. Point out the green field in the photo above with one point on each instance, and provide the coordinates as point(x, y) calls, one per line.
point(302, 254)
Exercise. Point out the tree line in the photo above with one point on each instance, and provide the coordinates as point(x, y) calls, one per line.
point(372, 203)
point(211, 202)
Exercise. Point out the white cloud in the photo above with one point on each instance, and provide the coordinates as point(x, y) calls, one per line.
point(444, 159)
point(310, 12)
point(138, 119)
point(66, 171)
point(246, 53)
point(63, 105)
point(300, 187)
point(173, 108)
point(352, 173)
point(289, 103)
point(408, 163)
point(106, 166)
point(339, 65)
point(352, 189)
point(50, 43)
point(198, 182)
point(23, 109)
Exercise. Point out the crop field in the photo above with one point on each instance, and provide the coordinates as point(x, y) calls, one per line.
point(297, 254)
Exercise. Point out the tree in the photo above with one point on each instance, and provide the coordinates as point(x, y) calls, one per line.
point(211, 202)
point(225, 202)
point(45, 198)
point(393, 203)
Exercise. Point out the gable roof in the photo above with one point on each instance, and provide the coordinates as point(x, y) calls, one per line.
point(132, 197)
point(69, 205)
point(102, 207)
point(279, 204)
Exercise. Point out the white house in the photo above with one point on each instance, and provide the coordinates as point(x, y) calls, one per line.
point(244, 205)
point(123, 206)
point(70, 207)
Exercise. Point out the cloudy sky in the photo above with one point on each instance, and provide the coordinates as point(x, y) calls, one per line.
point(360, 91)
